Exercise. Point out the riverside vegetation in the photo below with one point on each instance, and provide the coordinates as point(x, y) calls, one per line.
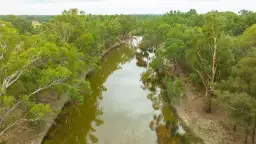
point(215, 51)
point(38, 63)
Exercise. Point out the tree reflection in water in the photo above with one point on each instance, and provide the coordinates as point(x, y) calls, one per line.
point(166, 126)
point(77, 122)
point(167, 131)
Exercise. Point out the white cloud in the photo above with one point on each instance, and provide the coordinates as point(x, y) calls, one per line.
point(120, 6)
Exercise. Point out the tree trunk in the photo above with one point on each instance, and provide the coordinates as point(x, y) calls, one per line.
point(253, 133)
point(246, 136)
point(208, 101)
point(234, 128)
point(174, 66)
point(1, 98)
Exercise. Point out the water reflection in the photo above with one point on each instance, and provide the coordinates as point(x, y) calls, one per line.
point(78, 122)
point(143, 57)
point(168, 131)
point(124, 114)
point(166, 126)
point(136, 40)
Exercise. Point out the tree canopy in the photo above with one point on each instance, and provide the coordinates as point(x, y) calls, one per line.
point(55, 57)
point(216, 49)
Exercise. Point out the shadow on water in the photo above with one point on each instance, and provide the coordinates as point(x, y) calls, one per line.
point(74, 125)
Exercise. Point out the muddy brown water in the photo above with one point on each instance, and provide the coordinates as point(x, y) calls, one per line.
point(118, 111)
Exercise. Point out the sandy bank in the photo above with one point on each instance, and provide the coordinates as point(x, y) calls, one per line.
point(213, 128)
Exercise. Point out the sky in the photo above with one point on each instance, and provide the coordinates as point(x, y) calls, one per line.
point(53, 7)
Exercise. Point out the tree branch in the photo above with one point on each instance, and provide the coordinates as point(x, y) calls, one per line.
point(199, 55)
point(3, 46)
point(214, 65)
point(201, 77)
point(9, 80)
point(54, 82)
point(16, 123)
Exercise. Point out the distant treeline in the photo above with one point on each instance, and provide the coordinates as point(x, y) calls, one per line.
point(40, 18)
point(46, 18)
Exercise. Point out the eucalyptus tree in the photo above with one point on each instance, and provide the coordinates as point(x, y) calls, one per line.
point(21, 24)
point(57, 58)
point(238, 93)
point(26, 69)
point(154, 33)
point(205, 54)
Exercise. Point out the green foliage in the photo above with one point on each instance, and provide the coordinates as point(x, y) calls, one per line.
point(74, 94)
point(241, 105)
point(158, 63)
point(50, 75)
point(38, 111)
point(21, 24)
point(174, 48)
point(238, 92)
point(8, 101)
point(216, 49)
point(174, 90)
point(55, 56)
point(150, 79)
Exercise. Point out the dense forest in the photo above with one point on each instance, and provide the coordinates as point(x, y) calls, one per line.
point(56, 56)
point(215, 50)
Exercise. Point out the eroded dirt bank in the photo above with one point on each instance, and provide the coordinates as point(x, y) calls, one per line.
point(213, 128)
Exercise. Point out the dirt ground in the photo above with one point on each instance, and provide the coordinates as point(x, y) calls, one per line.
point(212, 128)
point(24, 134)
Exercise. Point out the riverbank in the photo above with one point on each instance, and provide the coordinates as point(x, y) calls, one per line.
point(205, 128)
point(109, 106)
point(22, 134)
point(193, 137)
point(66, 99)
point(213, 128)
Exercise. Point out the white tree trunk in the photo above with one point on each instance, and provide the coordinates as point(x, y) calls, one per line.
point(54, 82)
point(9, 80)
point(15, 123)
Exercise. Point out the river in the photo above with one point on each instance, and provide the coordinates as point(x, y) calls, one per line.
point(118, 110)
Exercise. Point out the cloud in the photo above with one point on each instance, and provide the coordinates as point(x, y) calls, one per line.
point(54, 1)
point(120, 6)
